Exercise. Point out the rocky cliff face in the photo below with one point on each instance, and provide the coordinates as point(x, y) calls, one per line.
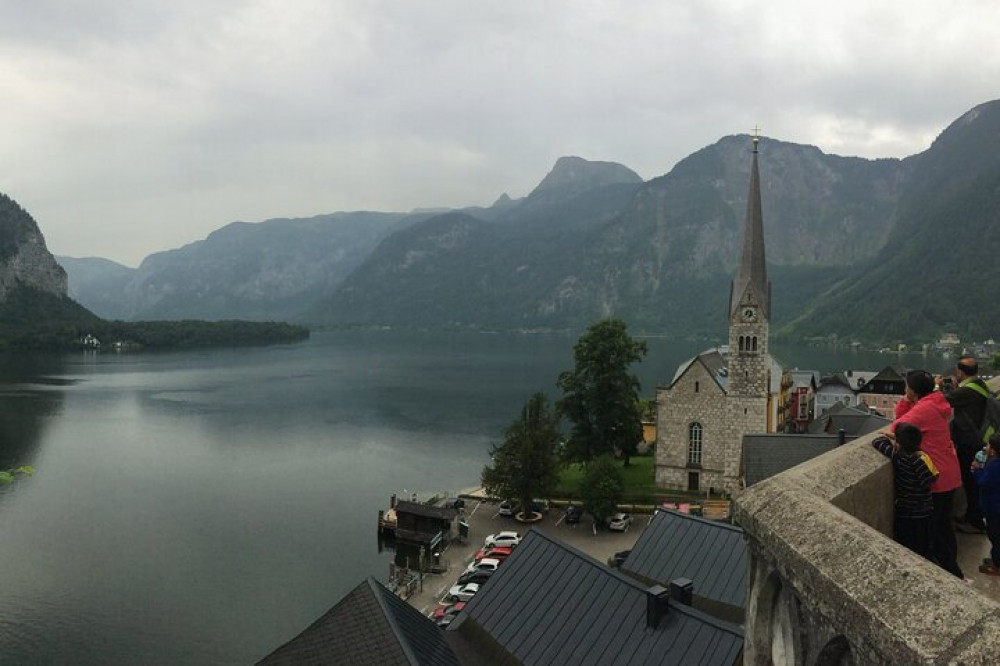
point(24, 259)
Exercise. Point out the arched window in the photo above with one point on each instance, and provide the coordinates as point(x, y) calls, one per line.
point(741, 343)
point(754, 343)
point(694, 444)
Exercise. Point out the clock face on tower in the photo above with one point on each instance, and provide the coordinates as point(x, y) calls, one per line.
point(749, 314)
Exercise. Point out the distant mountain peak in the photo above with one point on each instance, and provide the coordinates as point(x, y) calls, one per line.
point(573, 173)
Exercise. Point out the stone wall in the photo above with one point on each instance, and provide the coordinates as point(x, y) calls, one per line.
point(828, 585)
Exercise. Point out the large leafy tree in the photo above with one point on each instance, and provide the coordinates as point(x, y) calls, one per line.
point(601, 396)
point(601, 488)
point(526, 465)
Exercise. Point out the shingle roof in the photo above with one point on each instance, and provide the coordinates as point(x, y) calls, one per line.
point(550, 604)
point(770, 454)
point(712, 555)
point(370, 625)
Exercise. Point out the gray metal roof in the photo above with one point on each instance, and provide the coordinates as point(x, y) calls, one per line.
point(551, 604)
point(854, 421)
point(770, 454)
point(712, 555)
point(426, 510)
point(370, 625)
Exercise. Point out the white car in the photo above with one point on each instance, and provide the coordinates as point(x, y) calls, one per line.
point(463, 592)
point(507, 508)
point(619, 522)
point(507, 539)
point(485, 564)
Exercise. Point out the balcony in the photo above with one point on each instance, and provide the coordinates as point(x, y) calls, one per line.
point(829, 585)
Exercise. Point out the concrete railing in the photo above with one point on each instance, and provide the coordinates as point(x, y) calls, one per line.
point(829, 586)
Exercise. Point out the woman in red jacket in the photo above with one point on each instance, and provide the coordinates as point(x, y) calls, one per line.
point(928, 410)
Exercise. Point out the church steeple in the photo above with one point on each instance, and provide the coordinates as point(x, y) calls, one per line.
point(752, 271)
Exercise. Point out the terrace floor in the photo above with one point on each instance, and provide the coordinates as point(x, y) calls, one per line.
point(972, 548)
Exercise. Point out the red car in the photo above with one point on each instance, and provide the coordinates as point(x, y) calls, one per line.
point(450, 609)
point(496, 552)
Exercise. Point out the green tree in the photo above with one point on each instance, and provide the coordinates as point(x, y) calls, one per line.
point(10, 475)
point(601, 396)
point(526, 465)
point(601, 488)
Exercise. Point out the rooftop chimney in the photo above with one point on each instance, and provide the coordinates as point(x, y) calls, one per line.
point(682, 590)
point(657, 605)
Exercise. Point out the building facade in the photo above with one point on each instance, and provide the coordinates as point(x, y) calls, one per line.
point(718, 397)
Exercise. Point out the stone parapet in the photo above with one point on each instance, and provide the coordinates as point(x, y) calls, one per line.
point(829, 586)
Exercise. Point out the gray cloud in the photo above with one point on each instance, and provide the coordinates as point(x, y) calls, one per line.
point(135, 127)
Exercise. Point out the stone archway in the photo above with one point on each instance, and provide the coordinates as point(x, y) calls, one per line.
point(836, 652)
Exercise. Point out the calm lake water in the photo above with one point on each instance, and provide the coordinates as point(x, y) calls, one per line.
point(204, 507)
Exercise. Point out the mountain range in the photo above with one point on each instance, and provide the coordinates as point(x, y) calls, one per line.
point(884, 249)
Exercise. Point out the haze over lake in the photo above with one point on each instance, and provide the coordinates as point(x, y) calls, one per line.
point(203, 507)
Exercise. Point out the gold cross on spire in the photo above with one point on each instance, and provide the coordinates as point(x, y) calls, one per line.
point(756, 137)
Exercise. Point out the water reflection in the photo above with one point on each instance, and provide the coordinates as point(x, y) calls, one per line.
point(27, 404)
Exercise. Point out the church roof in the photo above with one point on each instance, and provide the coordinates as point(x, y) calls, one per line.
point(752, 271)
point(716, 362)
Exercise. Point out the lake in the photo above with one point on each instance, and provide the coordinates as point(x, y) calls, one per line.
point(203, 507)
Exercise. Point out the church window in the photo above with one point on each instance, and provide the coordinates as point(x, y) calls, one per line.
point(753, 343)
point(741, 343)
point(697, 385)
point(694, 444)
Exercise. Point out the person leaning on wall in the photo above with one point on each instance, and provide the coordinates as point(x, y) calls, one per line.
point(968, 400)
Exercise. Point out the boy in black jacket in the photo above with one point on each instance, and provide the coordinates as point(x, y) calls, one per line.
point(913, 474)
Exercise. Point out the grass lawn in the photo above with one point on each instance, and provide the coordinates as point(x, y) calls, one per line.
point(640, 479)
point(640, 484)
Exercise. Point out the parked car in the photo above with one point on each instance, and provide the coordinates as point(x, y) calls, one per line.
point(619, 522)
point(450, 609)
point(479, 576)
point(540, 506)
point(573, 514)
point(485, 564)
point(619, 558)
point(445, 621)
point(497, 552)
point(508, 508)
point(508, 539)
point(463, 592)
point(453, 503)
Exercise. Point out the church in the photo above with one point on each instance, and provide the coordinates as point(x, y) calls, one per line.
point(722, 394)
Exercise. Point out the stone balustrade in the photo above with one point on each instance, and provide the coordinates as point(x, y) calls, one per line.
point(829, 586)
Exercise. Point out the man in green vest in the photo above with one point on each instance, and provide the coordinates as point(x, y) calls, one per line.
point(968, 401)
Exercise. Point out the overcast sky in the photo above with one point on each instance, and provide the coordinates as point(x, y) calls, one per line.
point(128, 128)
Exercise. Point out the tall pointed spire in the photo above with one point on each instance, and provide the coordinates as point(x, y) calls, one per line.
point(752, 270)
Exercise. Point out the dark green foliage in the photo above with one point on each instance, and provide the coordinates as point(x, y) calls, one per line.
point(189, 334)
point(935, 273)
point(601, 396)
point(602, 487)
point(526, 465)
point(33, 319)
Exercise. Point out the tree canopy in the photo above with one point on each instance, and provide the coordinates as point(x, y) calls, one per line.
point(526, 465)
point(601, 396)
point(601, 488)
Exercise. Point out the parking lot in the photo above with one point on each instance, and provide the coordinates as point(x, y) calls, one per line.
point(484, 519)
